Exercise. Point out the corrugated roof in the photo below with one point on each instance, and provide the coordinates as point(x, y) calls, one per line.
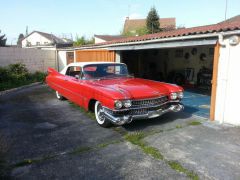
point(214, 28)
point(109, 37)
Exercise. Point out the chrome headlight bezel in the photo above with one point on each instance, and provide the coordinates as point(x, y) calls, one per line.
point(127, 103)
point(173, 96)
point(118, 104)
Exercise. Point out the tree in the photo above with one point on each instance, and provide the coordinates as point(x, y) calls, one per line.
point(83, 41)
point(152, 22)
point(3, 40)
point(138, 32)
point(20, 38)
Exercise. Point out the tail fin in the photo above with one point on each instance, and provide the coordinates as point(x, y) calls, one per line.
point(51, 70)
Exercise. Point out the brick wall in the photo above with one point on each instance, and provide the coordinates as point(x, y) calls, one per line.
point(34, 59)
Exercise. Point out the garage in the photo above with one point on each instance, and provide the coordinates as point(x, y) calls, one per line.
point(204, 60)
point(190, 67)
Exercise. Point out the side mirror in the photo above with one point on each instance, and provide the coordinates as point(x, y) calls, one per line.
point(77, 76)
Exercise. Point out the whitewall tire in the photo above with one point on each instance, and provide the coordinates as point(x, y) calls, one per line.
point(99, 114)
point(59, 96)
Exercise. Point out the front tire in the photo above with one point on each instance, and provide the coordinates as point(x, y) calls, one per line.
point(59, 96)
point(99, 114)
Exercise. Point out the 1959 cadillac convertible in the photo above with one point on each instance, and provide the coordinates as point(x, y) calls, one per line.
point(112, 94)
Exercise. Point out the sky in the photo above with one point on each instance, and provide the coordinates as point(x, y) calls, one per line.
point(68, 18)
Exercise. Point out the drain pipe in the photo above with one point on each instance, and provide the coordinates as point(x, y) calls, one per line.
point(220, 40)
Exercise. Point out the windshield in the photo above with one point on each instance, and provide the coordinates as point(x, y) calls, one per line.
point(99, 71)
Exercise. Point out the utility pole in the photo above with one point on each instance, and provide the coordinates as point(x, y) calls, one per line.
point(226, 5)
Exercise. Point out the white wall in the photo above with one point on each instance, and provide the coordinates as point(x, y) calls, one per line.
point(98, 40)
point(62, 59)
point(118, 57)
point(34, 38)
point(228, 85)
point(34, 59)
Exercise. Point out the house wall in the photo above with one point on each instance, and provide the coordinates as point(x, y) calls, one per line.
point(34, 38)
point(34, 59)
point(227, 95)
point(98, 40)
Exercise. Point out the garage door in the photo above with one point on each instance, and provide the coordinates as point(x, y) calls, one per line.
point(95, 55)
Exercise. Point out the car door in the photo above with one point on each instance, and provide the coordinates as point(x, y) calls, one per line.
point(74, 85)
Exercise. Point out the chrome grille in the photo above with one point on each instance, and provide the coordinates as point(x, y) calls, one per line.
point(149, 102)
point(138, 111)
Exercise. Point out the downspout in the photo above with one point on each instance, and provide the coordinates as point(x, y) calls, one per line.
point(220, 40)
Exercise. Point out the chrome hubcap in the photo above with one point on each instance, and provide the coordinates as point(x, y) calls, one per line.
point(100, 113)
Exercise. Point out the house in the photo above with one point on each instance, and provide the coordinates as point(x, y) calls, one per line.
point(105, 38)
point(42, 40)
point(204, 59)
point(131, 25)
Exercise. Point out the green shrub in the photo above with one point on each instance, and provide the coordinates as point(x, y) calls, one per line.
point(16, 75)
point(4, 74)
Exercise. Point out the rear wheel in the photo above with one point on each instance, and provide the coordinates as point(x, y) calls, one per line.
point(59, 96)
point(100, 117)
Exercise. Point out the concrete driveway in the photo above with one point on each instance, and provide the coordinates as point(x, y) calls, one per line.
point(51, 139)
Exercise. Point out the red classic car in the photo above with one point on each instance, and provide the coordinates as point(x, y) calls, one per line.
point(112, 94)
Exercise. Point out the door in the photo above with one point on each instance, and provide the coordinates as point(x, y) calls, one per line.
point(74, 84)
point(70, 57)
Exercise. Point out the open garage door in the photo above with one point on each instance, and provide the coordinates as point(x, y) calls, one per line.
point(190, 67)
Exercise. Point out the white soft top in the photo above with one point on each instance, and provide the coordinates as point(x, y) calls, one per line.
point(81, 64)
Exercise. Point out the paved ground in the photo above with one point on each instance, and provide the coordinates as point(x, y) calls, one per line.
point(51, 139)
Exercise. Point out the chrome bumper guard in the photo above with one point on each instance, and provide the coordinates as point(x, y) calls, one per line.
point(125, 119)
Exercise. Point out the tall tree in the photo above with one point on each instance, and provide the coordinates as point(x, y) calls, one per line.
point(3, 40)
point(20, 38)
point(152, 22)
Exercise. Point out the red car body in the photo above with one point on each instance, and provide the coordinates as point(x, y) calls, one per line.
point(144, 95)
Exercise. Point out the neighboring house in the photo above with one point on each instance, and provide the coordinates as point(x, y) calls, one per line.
point(131, 25)
point(105, 38)
point(37, 39)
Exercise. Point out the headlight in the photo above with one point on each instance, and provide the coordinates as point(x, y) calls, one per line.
point(173, 96)
point(118, 104)
point(127, 103)
point(180, 95)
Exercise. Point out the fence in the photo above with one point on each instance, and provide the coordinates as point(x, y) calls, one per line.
point(34, 59)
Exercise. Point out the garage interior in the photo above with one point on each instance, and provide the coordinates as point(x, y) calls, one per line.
point(190, 67)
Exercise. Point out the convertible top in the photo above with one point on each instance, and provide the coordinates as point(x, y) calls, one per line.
point(81, 64)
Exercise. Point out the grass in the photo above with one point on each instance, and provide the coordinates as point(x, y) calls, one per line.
point(80, 150)
point(194, 123)
point(137, 139)
point(178, 167)
point(90, 114)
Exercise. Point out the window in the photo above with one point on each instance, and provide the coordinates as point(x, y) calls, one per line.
point(73, 71)
point(45, 43)
point(104, 71)
point(38, 43)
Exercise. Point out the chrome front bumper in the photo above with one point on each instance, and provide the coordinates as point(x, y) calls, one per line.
point(125, 119)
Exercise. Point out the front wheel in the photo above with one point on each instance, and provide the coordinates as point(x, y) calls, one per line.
point(100, 117)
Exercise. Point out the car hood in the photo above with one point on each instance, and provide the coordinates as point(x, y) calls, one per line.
point(136, 88)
